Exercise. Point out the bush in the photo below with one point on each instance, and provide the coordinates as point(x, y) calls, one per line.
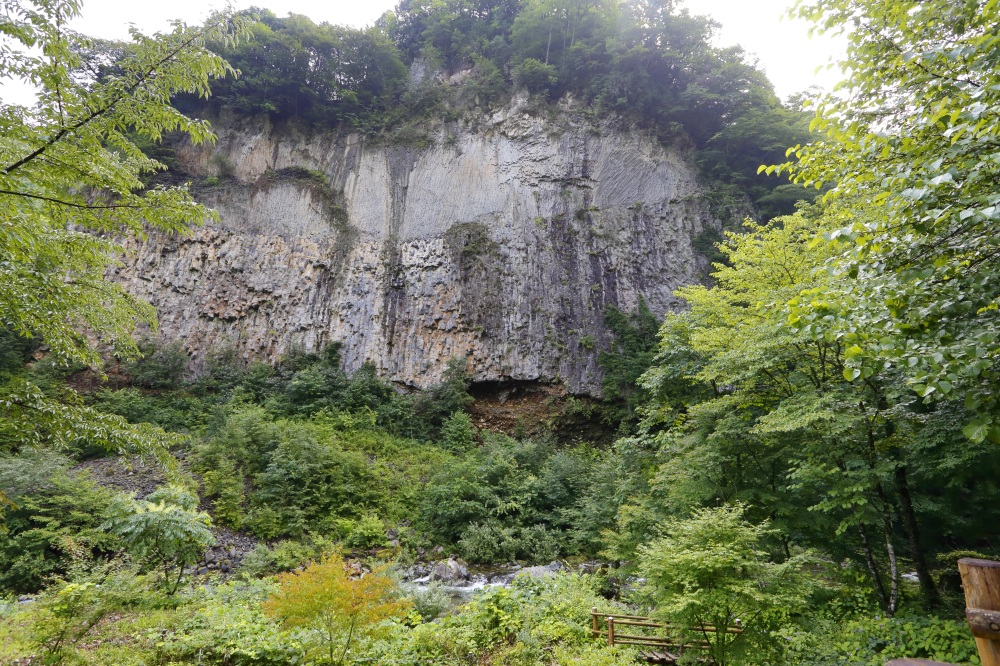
point(320, 475)
point(160, 366)
point(535, 75)
point(308, 482)
point(492, 542)
point(285, 555)
point(537, 611)
point(69, 611)
point(511, 499)
point(63, 617)
point(324, 596)
point(57, 517)
point(224, 370)
point(166, 530)
point(368, 532)
point(173, 411)
point(710, 569)
point(458, 433)
point(872, 641)
point(231, 629)
point(225, 487)
point(430, 602)
point(449, 641)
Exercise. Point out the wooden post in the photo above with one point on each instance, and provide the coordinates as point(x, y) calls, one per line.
point(611, 632)
point(981, 582)
point(594, 633)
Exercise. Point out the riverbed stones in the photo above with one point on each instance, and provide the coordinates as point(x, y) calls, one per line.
point(450, 571)
point(542, 571)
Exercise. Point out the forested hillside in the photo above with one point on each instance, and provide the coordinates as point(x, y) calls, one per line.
point(648, 64)
point(802, 452)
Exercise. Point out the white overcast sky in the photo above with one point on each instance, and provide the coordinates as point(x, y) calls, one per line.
point(782, 45)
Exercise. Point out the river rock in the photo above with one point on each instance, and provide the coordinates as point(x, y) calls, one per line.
point(542, 571)
point(451, 570)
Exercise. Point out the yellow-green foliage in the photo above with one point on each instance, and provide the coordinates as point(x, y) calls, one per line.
point(712, 569)
point(337, 601)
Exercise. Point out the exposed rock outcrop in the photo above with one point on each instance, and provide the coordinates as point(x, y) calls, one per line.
point(501, 243)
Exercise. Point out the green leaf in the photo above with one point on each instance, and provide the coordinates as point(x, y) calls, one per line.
point(977, 431)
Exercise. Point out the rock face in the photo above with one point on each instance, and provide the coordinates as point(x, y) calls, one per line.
point(500, 243)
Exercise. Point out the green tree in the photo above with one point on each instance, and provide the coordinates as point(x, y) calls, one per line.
point(56, 516)
point(72, 185)
point(316, 73)
point(914, 130)
point(846, 463)
point(712, 570)
point(165, 529)
point(160, 366)
point(632, 353)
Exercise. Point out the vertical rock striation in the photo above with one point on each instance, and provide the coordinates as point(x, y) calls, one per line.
point(502, 244)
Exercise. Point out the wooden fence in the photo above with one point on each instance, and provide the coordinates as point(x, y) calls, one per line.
point(668, 642)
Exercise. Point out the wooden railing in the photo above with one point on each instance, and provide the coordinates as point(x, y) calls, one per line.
point(669, 643)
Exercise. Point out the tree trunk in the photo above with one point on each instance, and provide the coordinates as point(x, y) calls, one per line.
point(870, 561)
point(350, 635)
point(893, 569)
point(927, 586)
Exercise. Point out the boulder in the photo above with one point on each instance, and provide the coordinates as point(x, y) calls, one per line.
point(451, 570)
point(542, 571)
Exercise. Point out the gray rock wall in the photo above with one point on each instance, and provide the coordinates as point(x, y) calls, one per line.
point(502, 244)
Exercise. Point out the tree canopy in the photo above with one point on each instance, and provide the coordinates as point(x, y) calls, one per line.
point(647, 64)
point(71, 185)
point(914, 131)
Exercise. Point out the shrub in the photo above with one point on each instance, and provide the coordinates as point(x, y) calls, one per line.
point(458, 433)
point(231, 628)
point(368, 532)
point(225, 486)
point(224, 370)
point(309, 482)
point(710, 569)
point(429, 602)
point(165, 529)
point(69, 611)
point(450, 640)
point(57, 516)
point(872, 641)
point(510, 499)
point(63, 618)
point(554, 610)
point(535, 75)
point(325, 597)
point(160, 366)
point(285, 555)
point(492, 542)
point(174, 411)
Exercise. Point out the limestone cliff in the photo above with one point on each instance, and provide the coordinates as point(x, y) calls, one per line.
point(501, 243)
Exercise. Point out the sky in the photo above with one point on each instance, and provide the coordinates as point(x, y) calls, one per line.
point(782, 45)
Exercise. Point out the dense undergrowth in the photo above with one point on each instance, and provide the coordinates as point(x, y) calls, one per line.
point(311, 461)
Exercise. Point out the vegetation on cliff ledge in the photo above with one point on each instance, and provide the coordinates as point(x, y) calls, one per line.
point(650, 65)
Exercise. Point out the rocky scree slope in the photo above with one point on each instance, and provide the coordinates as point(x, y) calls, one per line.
point(501, 242)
